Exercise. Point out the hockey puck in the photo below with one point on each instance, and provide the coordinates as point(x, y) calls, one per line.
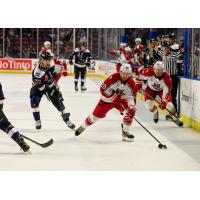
point(162, 146)
point(180, 124)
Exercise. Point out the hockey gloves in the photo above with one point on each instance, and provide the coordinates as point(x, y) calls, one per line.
point(131, 111)
point(163, 104)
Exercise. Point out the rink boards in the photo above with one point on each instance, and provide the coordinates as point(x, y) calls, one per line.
point(189, 89)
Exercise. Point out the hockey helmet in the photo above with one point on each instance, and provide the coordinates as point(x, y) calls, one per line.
point(158, 65)
point(138, 39)
point(47, 44)
point(127, 49)
point(126, 68)
point(122, 45)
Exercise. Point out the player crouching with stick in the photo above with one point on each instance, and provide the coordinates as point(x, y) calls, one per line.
point(117, 91)
point(158, 84)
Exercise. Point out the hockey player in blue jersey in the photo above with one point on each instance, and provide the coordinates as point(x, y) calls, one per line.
point(82, 58)
point(43, 82)
point(8, 128)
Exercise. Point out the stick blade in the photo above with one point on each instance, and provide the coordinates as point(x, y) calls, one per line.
point(47, 144)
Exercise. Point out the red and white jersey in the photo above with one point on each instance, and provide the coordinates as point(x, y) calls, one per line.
point(60, 69)
point(45, 50)
point(113, 87)
point(124, 57)
point(138, 49)
point(59, 66)
point(156, 83)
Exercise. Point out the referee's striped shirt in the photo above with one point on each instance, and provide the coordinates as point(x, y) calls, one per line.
point(170, 62)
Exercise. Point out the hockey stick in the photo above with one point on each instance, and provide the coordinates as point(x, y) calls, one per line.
point(180, 124)
point(44, 145)
point(160, 145)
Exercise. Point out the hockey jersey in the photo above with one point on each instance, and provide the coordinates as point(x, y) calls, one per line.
point(60, 69)
point(43, 76)
point(156, 83)
point(81, 57)
point(113, 87)
point(123, 57)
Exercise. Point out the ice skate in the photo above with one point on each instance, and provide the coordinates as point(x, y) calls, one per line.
point(127, 137)
point(67, 121)
point(177, 121)
point(168, 117)
point(79, 130)
point(156, 116)
point(76, 88)
point(174, 119)
point(83, 88)
point(38, 125)
point(70, 125)
point(20, 141)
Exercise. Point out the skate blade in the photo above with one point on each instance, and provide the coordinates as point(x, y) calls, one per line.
point(27, 152)
point(127, 140)
point(73, 129)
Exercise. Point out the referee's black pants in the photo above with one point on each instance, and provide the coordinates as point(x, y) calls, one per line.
point(174, 89)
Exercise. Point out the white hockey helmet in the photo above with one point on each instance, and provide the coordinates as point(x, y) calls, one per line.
point(126, 68)
point(47, 44)
point(127, 49)
point(138, 40)
point(159, 65)
point(122, 45)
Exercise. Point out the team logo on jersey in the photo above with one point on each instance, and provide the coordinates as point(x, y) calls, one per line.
point(37, 74)
point(155, 83)
point(120, 90)
point(156, 86)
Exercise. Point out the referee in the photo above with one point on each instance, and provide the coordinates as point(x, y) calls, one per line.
point(170, 57)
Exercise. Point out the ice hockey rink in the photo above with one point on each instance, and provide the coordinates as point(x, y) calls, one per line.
point(100, 146)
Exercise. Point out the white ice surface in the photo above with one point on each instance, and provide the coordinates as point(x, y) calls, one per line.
point(98, 148)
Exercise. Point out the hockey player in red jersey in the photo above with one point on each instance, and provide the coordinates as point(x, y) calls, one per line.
point(60, 68)
point(122, 46)
point(118, 90)
point(138, 46)
point(124, 56)
point(158, 84)
point(46, 48)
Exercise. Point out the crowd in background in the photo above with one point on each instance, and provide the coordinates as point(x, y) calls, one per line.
point(62, 41)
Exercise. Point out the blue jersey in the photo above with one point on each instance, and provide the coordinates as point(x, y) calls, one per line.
point(81, 57)
point(42, 76)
